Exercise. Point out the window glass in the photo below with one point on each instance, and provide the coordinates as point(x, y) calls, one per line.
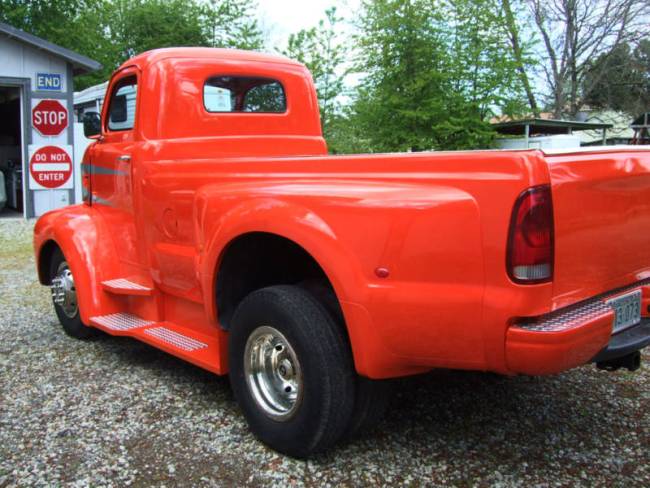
point(121, 114)
point(244, 94)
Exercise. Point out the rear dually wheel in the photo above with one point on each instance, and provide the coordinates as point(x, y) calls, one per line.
point(291, 370)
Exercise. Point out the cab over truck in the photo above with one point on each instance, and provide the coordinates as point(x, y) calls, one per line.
point(215, 227)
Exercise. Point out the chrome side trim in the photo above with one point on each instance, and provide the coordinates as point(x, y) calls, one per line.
point(93, 169)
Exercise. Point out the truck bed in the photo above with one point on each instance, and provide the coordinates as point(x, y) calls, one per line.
point(601, 200)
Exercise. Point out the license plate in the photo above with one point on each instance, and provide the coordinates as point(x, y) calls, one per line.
point(627, 310)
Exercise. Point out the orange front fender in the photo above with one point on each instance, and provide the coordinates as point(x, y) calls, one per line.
point(84, 240)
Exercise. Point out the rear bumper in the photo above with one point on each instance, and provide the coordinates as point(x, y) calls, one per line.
point(571, 337)
point(626, 342)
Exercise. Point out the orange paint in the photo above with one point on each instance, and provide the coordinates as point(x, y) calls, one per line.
point(170, 195)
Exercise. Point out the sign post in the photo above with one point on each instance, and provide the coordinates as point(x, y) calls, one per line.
point(50, 167)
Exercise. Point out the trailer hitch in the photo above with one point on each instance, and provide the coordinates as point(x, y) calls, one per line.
point(630, 361)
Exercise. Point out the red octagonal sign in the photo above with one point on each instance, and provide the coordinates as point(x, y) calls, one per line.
point(49, 117)
point(50, 166)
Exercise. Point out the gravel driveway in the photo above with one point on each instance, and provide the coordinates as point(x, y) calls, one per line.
point(117, 412)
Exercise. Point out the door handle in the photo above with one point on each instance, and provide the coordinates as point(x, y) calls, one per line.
point(124, 158)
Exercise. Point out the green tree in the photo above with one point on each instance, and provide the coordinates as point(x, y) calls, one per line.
point(74, 24)
point(323, 52)
point(151, 24)
point(521, 49)
point(620, 80)
point(433, 73)
point(111, 31)
point(231, 23)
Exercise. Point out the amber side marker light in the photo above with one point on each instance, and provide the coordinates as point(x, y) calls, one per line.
point(531, 240)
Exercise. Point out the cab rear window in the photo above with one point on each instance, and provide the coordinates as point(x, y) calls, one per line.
point(244, 94)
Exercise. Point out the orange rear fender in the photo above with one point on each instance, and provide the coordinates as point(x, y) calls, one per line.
point(293, 222)
point(312, 233)
point(350, 245)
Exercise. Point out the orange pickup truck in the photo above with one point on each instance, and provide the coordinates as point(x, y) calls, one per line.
point(216, 227)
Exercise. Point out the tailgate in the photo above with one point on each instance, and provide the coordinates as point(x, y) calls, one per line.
point(601, 204)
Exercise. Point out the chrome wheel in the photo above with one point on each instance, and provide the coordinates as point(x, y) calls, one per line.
point(273, 373)
point(64, 293)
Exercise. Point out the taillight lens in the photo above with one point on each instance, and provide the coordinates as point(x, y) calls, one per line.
point(531, 241)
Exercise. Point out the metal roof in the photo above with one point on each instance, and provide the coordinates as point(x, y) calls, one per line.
point(546, 126)
point(91, 94)
point(80, 64)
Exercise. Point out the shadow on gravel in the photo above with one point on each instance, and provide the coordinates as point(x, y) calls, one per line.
point(473, 419)
point(129, 352)
point(486, 419)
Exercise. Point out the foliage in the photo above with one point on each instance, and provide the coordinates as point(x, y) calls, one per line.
point(150, 24)
point(620, 80)
point(434, 72)
point(481, 63)
point(111, 31)
point(522, 54)
point(73, 24)
point(346, 136)
point(231, 23)
point(321, 50)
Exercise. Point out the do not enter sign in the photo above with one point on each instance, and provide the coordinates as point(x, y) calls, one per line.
point(50, 167)
point(49, 117)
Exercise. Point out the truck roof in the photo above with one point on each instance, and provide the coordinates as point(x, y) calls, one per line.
point(148, 57)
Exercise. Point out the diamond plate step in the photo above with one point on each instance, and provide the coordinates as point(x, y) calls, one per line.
point(175, 339)
point(119, 322)
point(126, 286)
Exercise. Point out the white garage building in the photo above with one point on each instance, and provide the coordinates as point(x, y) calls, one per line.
point(37, 123)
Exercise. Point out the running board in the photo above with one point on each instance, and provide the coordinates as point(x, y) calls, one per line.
point(119, 323)
point(127, 286)
point(195, 347)
point(200, 349)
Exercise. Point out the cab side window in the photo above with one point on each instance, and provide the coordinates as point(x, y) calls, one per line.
point(121, 111)
point(244, 94)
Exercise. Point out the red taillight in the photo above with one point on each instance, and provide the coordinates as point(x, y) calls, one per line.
point(531, 240)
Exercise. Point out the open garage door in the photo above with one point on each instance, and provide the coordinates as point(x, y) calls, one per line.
point(11, 152)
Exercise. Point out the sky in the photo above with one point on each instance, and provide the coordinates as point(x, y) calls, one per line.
point(279, 18)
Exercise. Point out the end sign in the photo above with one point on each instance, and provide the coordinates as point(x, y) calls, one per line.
point(49, 82)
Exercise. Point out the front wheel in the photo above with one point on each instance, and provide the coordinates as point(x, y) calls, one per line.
point(291, 370)
point(64, 297)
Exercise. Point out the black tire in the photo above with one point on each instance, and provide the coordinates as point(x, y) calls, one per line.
point(72, 325)
point(370, 405)
point(322, 415)
point(371, 396)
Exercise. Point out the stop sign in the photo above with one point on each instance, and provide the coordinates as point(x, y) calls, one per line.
point(50, 166)
point(49, 117)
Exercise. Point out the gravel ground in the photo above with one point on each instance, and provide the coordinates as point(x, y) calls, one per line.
point(116, 412)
